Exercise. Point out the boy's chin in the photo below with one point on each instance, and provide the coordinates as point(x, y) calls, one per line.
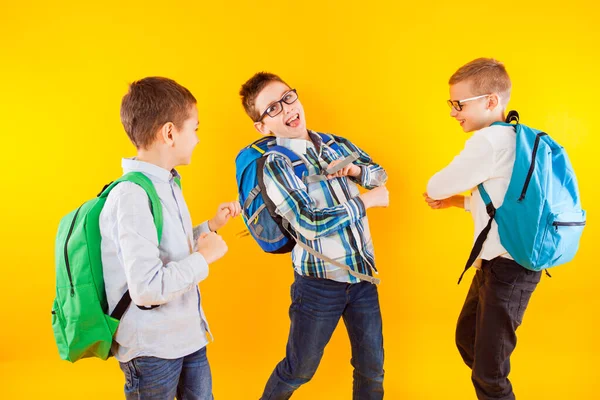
point(469, 128)
point(294, 133)
point(185, 161)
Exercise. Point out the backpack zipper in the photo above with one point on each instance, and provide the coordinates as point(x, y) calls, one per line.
point(67, 254)
point(532, 166)
point(558, 223)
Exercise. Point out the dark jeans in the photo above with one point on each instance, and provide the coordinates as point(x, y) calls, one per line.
point(485, 332)
point(152, 378)
point(317, 306)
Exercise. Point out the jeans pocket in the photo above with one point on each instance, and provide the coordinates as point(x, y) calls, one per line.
point(525, 295)
point(295, 293)
point(131, 376)
point(506, 271)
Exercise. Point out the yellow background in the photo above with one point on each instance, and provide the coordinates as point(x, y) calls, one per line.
point(375, 72)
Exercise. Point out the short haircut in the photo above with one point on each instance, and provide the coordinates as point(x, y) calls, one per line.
point(486, 76)
point(252, 88)
point(150, 103)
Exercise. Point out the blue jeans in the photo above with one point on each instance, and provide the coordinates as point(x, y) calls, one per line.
point(317, 305)
point(153, 378)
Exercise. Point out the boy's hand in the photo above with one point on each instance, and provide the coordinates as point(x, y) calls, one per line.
point(349, 170)
point(378, 197)
point(454, 201)
point(225, 212)
point(211, 246)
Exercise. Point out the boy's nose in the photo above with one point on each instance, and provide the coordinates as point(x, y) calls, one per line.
point(453, 112)
point(287, 108)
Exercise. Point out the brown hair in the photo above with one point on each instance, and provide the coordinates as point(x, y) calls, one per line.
point(251, 89)
point(150, 103)
point(486, 75)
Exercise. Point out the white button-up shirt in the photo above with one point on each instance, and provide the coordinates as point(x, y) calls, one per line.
point(167, 274)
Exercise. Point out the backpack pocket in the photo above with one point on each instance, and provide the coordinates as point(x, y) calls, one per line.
point(58, 326)
point(560, 239)
point(263, 227)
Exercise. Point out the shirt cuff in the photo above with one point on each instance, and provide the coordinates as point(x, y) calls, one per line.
point(202, 228)
point(198, 264)
point(467, 203)
point(356, 209)
point(364, 176)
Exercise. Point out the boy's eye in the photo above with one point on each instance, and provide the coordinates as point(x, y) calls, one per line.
point(287, 97)
point(272, 108)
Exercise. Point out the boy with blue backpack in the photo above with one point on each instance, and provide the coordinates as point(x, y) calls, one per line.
point(527, 214)
point(299, 194)
point(129, 261)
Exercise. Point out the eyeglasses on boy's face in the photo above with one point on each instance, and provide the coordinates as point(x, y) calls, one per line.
point(458, 104)
point(276, 108)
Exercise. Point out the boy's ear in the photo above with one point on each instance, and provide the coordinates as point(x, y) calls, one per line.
point(167, 132)
point(261, 128)
point(493, 101)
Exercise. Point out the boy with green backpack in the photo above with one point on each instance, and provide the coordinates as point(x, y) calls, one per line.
point(129, 262)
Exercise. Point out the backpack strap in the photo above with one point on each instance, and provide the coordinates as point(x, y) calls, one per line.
point(491, 210)
point(329, 141)
point(156, 208)
point(142, 180)
point(300, 169)
point(323, 257)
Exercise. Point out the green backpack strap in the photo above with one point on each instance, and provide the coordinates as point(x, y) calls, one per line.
point(142, 180)
point(155, 207)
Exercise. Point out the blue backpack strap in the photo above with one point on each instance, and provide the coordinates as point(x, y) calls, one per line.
point(262, 145)
point(297, 163)
point(491, 210)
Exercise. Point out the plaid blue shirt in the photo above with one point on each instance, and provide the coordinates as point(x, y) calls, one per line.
point(327, 215)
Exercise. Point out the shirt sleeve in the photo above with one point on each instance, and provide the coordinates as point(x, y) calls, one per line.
point(149, 280)
point(200, 229)
point(292, 202)
point(467, 170)
point(372, 174)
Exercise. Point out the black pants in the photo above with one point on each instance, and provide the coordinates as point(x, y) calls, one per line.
point(485, 332)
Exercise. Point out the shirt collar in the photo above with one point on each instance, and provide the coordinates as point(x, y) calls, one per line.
point(300, 146)
point(133, 165)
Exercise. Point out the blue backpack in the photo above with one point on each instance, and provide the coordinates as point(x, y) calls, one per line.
point(269, 230)
point(258, 212)
point(540, 221)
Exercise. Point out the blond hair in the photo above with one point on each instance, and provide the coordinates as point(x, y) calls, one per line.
point(486, 76)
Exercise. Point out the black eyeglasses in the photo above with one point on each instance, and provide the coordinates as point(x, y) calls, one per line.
point(276, 108)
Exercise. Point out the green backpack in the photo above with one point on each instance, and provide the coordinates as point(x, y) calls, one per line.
point(82, 327)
